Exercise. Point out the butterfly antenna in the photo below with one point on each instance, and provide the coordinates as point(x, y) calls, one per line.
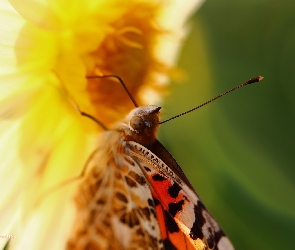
point(93, 119)
point(89, 116)
point(252, 80)
point(122, 83)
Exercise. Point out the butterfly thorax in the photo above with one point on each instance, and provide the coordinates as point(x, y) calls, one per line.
point(141, 125)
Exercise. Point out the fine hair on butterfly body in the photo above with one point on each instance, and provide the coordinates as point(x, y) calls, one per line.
point(135, 195)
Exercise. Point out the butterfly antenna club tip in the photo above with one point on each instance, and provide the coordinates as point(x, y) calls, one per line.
point(254, 79)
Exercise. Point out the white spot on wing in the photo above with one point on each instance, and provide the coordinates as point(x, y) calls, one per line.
point(225, 244)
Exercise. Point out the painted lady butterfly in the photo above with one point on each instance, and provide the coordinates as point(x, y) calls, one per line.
point(135, 195)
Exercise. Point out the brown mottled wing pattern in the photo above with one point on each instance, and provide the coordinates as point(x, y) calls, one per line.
point(115, 208)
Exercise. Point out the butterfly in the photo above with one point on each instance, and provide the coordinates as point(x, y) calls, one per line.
point(136, 196)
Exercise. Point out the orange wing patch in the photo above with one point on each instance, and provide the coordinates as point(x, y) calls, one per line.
point(173, 238)
point(184, 221)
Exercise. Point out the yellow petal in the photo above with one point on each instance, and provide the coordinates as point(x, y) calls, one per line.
point(48, 47)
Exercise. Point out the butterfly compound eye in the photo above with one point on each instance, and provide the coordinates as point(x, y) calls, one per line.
point(137, 124)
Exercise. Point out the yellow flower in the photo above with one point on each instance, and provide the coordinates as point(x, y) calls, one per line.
point(47, 48)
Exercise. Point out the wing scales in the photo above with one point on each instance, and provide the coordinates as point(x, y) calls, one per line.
point(178, 203)
point(115, 207)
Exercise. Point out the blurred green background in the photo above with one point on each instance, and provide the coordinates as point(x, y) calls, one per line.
point(238, 152)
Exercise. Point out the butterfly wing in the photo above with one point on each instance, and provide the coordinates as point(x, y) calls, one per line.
point(137, 197)
point(184, 221)
point(115, 207)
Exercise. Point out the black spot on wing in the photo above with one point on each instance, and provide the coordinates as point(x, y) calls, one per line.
point(168, 245)
point(131, 183)
point(121, 197)
point(153, 203)
point(146, 212)
point(216, 238)
point(139, 179)
point(213, 238)
point(170, 223)
point(211, 243)
point(174, 208)
point(130, 218)
point(158, 177)
point(196, 230)
point(156, 201)
point(101, 201)
point(174, 190)
point(129, 161)
point(150, 202)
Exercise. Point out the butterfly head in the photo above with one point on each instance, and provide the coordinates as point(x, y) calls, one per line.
point(142, 124)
